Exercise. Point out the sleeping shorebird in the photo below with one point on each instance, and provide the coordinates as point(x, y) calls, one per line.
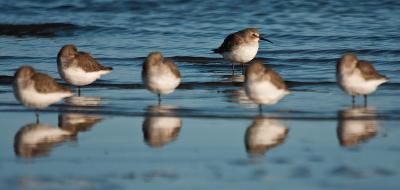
point(357, 78)
point(79, 68)
point(263, 86)
point(37, 90)
point(159, 75)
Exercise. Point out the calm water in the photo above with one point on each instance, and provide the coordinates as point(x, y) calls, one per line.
point(206, 134)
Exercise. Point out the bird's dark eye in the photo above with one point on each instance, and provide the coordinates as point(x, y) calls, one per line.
point(255, 35)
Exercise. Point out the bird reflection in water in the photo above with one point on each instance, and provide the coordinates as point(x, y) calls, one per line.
point(76, 123)
point(84, 101)
point(356, 125)
point(239, 96)
point(37, 140)
point(233, 78)
point(161, 126)
point(264, 134)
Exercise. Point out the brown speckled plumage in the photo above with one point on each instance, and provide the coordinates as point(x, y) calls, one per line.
point(368, 72)
point(240, 37)
point(43, 83)
point(259, 69)
point(79, 59)
point(155, 59)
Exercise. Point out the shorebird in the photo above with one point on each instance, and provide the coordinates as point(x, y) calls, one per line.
point(37, 90)
point(159, 75)
point(263, 86)
point(240, 47)
point(357, 78)
point(79, 68)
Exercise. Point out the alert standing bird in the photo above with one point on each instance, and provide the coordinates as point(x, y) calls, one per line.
point(240, 47)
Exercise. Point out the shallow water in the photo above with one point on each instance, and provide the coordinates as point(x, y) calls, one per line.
point(311, 139)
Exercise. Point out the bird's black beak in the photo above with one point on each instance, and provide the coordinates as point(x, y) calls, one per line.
point(261, 38)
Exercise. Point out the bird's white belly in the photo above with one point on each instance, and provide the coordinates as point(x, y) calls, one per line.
point(356, 85)
point(243, 54)
point(161, 84)
point(264, 92)
point(31, 98)
point(78, 77)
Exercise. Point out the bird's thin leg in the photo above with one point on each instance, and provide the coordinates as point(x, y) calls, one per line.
point(353, 101)
point(243, 67)
point(79, 91)
point(233, 66)
point(260, 109)
point(365, 100)
point(159, 99)
point(37, 115)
